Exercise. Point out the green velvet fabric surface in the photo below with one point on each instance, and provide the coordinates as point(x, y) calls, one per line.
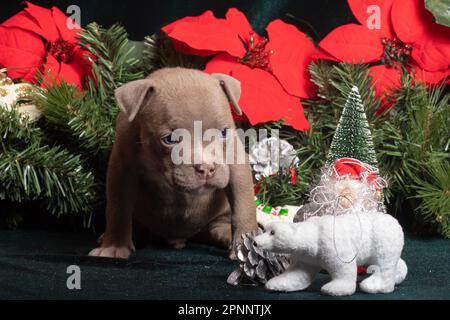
point(33, 265)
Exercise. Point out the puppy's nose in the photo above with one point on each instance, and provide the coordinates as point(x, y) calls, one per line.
point(255, 244)
point(206, 169)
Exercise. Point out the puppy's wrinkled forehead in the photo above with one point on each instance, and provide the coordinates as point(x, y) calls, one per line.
point(182, 96)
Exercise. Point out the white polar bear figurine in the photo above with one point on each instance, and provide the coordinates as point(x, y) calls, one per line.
point(375, 238)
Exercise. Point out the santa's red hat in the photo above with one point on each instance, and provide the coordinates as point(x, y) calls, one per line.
point(358, 170)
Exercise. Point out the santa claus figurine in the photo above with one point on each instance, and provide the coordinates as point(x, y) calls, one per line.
point(346, 185)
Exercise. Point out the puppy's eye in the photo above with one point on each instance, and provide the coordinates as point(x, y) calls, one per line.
point(167, 140)
point(225, 133)
point(272, 232)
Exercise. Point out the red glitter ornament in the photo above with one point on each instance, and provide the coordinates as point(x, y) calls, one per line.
point(62, 50)
point(395, 52)
point(257, 55)
point(293, 176)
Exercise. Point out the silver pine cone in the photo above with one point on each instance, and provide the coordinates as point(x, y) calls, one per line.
point(255, 265)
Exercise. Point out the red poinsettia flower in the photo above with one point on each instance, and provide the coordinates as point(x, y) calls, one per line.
point(273, 72)
point(38, 40)
point(407, 38)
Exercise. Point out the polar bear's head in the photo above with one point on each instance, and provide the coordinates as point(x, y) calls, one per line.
point(278, 237)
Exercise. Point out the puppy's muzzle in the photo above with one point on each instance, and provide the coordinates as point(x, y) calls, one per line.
point(205, 170)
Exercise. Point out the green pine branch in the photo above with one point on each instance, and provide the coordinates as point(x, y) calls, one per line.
point(159, 52)
point(433, 191)
point(335, 81)
point(31, 170)
point(49, 174)
point(76, 121)
point(112, 59)
point(84, 121)
point(414, 147)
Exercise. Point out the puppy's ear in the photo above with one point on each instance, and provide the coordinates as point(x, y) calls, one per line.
point(232, 88)
point(133, 95)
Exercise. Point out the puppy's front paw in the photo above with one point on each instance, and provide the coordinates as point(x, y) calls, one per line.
point(233, 247)
point(121, 252)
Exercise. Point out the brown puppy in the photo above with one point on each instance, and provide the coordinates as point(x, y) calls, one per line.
point(175, 201)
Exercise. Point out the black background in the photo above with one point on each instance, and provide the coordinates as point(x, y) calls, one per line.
point(141, 18)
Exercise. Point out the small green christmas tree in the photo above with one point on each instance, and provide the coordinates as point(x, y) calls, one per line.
point(352, 138)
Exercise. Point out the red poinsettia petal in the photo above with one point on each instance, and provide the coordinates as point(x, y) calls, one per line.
point(263, 99)
point(410, 20)
point(432, 55)
point(205, 35)
point(51, 72)
point(432, 77)
point(238, 22)
point(70, 73)
point(384, 79)
point(290, 64)
point(21, 52)
point(353, 43)
point(61, 21)
point(205, 16)
point(320, 54)
point(366, 11)
point(45, 20)
point(24, 21)
point(431, 42)
point(80, 62)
